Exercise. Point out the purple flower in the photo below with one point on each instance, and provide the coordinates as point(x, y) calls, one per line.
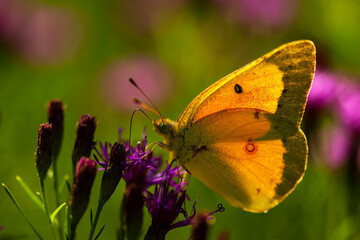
point(141, 172)
point(142, 168)
point(103, 154)
point(166, 204)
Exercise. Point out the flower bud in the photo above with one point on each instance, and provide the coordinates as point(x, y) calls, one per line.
point(224, 235)
point(113, 172)
point(43, 150)
point(200, 227)
point(131, 212)
point(84, 137)
point(83, 180)
point(56, 119)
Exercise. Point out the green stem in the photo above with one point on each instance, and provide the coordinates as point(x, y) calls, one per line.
point(20, 210)
point(56, 184)
point(93, 225)
point(57, 198)
point(154, 234)
point(44, 199)
point(46, 206)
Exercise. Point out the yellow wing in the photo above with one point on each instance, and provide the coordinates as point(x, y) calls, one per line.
point(278, 82)
point(251, 158)
point(241, 135)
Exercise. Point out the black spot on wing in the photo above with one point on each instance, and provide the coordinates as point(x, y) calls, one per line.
point(238, 88)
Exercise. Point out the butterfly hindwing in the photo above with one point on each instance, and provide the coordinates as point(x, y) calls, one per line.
point(244, 159)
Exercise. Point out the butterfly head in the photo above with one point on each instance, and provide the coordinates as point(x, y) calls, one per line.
point(164, 127)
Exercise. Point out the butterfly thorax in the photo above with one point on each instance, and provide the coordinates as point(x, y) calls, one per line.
point(174, 140)
point(181, 148)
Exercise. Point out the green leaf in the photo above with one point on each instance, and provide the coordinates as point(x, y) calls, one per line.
point(66, 223)
point(53, 215)
point(91, 217)
point(32, 195)
point(63, 183)
point(98, 235)
point(20, 210)
point(68, 185)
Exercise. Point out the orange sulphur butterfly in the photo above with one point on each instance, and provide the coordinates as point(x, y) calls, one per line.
point(241, 136)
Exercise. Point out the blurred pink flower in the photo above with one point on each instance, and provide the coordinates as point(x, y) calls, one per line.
point(12, 15)
point(323, 89)
point(338, 92)
point(335, 145)
point(41, 34)
point(149, 74)
point(335, 97)
point(348, 103)
point(260, 15)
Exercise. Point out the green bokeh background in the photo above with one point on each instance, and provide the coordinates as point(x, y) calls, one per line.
point(198, 45)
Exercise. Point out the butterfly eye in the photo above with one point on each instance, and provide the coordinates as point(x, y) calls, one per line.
point(163, 128)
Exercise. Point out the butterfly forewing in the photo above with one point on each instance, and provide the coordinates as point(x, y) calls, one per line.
point(278, 82)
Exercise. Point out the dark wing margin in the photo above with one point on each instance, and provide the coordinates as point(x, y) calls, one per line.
point(298, 65)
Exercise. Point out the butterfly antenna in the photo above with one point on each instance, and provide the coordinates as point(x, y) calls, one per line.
point(131, 120)
point(144, 105)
